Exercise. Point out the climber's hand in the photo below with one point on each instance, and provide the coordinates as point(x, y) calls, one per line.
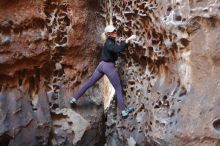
point(130, 38)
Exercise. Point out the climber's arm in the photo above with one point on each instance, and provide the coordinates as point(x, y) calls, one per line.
point(115, 47)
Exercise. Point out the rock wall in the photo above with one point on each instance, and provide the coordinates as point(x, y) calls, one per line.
point(170, 73)
point(45, 55)
point(48, 49)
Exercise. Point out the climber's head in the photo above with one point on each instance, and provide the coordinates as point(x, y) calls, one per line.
point(110, 31)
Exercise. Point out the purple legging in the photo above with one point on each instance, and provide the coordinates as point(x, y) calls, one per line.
point(107, 68)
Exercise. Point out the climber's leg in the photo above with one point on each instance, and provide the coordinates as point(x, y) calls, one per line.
point(111, 72)
point(93, 79)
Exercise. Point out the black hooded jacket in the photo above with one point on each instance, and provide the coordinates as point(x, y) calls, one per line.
point(111, 49)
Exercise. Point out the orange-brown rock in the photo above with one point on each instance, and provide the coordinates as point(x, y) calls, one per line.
point(47, 49)
point(170, 73)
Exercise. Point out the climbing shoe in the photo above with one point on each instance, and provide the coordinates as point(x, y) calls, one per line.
point(73, 102)
point(126, 112)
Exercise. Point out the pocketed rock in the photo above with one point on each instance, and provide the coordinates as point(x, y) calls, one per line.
point(169, 73)
point(45, 56)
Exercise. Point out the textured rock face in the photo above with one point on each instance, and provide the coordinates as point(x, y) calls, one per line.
point(170, 73)
point(45, 54)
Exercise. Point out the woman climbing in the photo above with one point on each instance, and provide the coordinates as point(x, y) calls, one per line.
point(109, 55)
